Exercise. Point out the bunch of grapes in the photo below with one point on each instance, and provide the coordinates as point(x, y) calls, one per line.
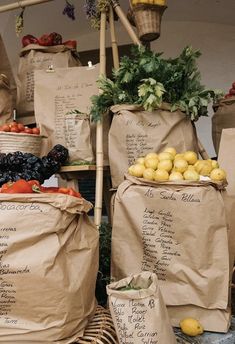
point(18, 165)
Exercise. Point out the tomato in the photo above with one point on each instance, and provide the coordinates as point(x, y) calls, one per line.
point(13, 124)
point(28, 130)
point(14, 130)
point(36, 131)
point(21, 126)
point(6, 128)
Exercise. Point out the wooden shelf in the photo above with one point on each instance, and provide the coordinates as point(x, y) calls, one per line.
point(77, 168)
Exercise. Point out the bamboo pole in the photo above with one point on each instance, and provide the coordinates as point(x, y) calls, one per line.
point(125, 22)
point(99, 132)
point(21, 4)
point(202, 150)
point(113, 39)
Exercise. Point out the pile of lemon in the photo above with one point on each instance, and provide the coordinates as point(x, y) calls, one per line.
point(172, 166)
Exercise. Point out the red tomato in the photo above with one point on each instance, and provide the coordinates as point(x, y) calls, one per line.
point(14, 130)
point(6, 128)
point(28, 130)
point(13, 124)
point(21, 126)
point(36, 131)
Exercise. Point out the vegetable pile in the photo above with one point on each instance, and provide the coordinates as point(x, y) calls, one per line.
point(15, 127)
point(147, 79)
point(18, 165)
point(32, 186)
point(51, 39)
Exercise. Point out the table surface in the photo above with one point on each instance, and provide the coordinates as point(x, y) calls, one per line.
point(208, 337)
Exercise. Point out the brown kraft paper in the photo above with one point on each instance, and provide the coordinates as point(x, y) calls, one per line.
point(135, 133)
point(179, 231)
point(140, 316)
point(36, 57)
point(58, 94)
point(48, 268)
point(223, 118)
point(6, 100)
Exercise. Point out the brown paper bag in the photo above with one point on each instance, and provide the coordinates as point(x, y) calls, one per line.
point(138, 310)
point(5, 68)
point(36, 57)
point(173, 230)
point(226, 157)
point(135, 133)
point(224, 117)
point(6, 100)
point(58, 94)
point(49, 263)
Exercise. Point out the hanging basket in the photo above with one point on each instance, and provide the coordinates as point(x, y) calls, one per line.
point(147, 19)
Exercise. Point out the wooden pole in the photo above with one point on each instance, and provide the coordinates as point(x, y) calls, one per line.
point(99, 132)
point(21, 4)
point(125, 22)
point(202, 150)
point(113, 39)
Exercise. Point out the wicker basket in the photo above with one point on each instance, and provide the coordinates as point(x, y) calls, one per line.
point(26, 143)
point(147, 19)
point(100, 330)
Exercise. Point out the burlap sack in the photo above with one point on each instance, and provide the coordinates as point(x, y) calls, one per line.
point(179, 231)
point(49, 263)
point(224, 117)
point(36, 57)
point(5, 68)
point(57, 94)
point(135, 133)
point(6, 100)
point(139, 314)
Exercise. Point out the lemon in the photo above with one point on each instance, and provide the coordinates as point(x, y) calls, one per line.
point(218, 174)
point(151, 155)
point(190, 157)
point(191, 327)
point(165, 156)
point(140, 160)
point(180, 165)
point(136, 170)
point(203, 167)
point(151, 163)
point(179, 156)
point(214, 164)
point(176, 176)
point(149, 174)
point(191, 167)
point(165, 165)
point(161, 175)
point(191, 175)
point(170, 150)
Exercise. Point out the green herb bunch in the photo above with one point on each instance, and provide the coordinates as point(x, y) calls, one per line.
point(147, 79)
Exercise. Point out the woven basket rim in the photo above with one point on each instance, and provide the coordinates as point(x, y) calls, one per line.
point(21, 134)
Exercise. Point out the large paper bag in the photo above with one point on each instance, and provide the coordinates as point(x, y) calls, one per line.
point(223, 118)
point(138, 310)
point(226, 157)
point(5, 68)
point(36, 57)
point(179, 231)
point(62, 107)
point(6, 100)
point(135, 133)
point(49, 263)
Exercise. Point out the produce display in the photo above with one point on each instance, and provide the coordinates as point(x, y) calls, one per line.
point(15, 127)
point(231, 92)
point(46, 40)
point(169, 165)
point(18, 165)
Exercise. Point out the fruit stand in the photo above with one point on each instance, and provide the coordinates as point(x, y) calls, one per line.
point(172, 234)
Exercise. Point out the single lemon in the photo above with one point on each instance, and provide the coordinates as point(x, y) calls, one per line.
point(165, 165)
point(151, 155)
point(214, 164)
point(179, 156)
point(136, 170)
point(190, 157)
point(191, 175)
point(161, 175)
point(170, 150)
point(176, 176)
point(140, 160)
point(180, 165)
point(191, 327)
point(149, 174)
point(165, 156)
point(191, 167)
point(151, 163)
point(218, 174)
point(203, 167)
